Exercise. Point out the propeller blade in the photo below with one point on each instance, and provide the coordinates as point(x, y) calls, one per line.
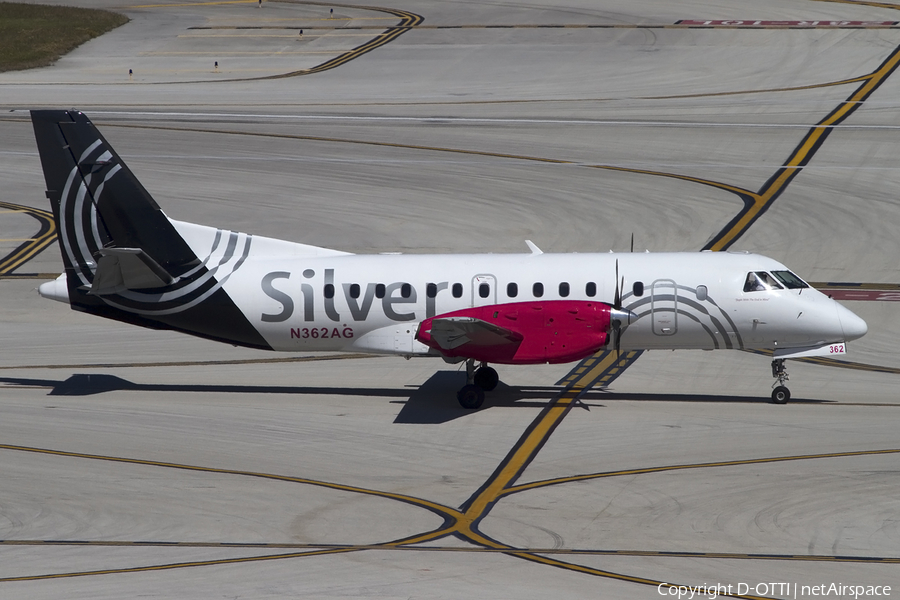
point(617, 299)
point(617, 329)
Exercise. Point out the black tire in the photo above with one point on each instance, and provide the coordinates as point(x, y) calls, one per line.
point(486, 378)
point(781, 395)
point(470, 396)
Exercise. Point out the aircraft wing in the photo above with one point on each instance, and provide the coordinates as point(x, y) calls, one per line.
point(453, 332)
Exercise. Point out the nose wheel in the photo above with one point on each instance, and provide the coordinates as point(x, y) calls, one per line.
point(478, 381)
point(780, 393)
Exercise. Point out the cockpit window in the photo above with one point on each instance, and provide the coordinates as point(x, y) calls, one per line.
point(790, 281)
point(760, 281)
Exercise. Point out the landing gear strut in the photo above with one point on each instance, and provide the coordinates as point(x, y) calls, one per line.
point(780, 395)
point(479, 381)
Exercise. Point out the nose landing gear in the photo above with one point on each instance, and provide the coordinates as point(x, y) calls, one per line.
point(780, 393)
point(479, 381)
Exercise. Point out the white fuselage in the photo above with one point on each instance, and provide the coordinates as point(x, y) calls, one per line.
point(303, 298)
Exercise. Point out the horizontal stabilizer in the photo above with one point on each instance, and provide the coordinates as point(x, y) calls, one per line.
point(121, 269)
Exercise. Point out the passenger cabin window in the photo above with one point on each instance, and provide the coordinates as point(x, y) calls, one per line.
point(563, 289)
point(379, 290)
point(484, 290)
point(638, 288)
point(590, 290)
point(760, 281)
point(457, 290)
point(537, 290)
point(790, 281)
point(354, 290)
point(512, 290)
point(405, 290)
point(329, 290)
point(431, 290)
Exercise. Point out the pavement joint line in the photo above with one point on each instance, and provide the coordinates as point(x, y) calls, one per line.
point(463, 549)
point(476, 26)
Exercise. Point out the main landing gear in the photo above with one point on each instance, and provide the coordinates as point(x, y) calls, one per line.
point(780, 393)
point(478, 381)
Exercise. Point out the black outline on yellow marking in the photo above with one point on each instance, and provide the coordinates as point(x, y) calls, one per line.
point(746, 195)
point(445, 512)
point(751, 200)
point(676, 25)
point(802, 154)
point(725, 463)
point(29, 275)
point(181, 565)
point(462, 523)
point(34, 246)
point(846, 364)
point(408, 20)
point(600, 369)
point(464, 550)
point(824, 361)
point(846, 285)
point(864, 3)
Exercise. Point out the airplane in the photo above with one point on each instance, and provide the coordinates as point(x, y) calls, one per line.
point(125, 259)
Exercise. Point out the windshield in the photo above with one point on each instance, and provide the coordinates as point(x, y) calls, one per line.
point(760, 281)
point(790, 281)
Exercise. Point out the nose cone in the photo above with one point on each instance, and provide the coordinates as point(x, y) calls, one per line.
point(57, 289)
point(853, 326)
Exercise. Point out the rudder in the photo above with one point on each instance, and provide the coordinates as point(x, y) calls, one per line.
point(123, 257)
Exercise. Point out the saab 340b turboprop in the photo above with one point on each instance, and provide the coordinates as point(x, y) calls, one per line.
point(126, 260)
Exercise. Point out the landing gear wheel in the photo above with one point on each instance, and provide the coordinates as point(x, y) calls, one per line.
point(470, 396)
point(781, 395)
point(486, 378)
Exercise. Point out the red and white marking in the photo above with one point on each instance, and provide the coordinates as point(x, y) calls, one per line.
point(880, 295)
point(747, 23)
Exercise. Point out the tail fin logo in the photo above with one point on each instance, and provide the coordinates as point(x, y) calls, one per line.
point(81, 232)
point(83, 235)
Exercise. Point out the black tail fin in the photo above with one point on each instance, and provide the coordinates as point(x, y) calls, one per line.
point(124, 259)
point(97, 200)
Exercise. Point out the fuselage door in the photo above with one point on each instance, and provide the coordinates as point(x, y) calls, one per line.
point(664, 307)
point(484, 290)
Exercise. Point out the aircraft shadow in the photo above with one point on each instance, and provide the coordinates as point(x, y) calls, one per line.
point(83, 384)
point(433, 402)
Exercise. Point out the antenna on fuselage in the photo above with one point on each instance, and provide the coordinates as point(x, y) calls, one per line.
point(533, 247)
